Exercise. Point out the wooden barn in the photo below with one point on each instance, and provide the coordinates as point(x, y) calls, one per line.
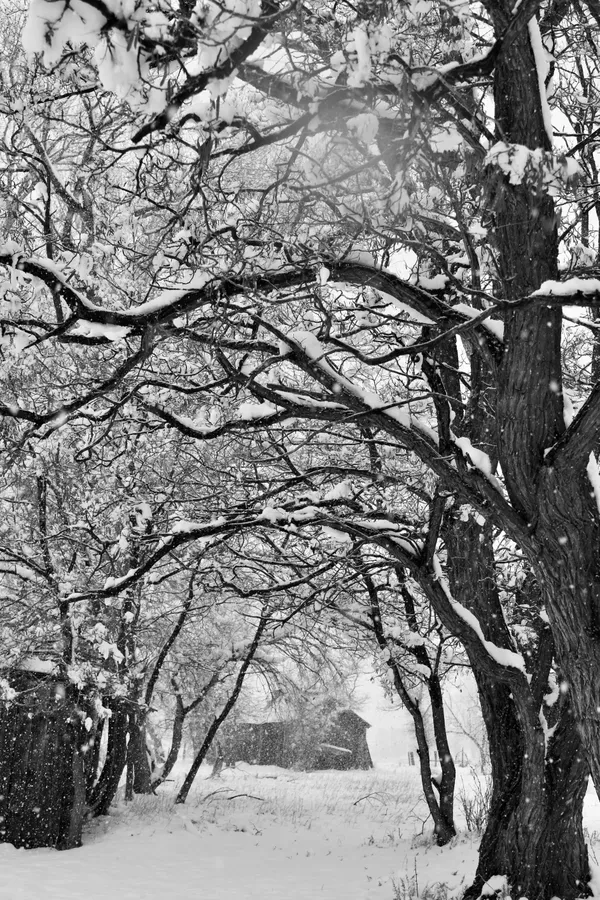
point(261, 743)
point(42, 780)
point(342, 744)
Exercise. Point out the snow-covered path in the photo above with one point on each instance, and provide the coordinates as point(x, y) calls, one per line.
point(289, 835)
point(263, 833)
point(213, 865)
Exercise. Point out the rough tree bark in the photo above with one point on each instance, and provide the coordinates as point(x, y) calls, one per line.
point(545, 468)
point(567, 539)
point(137, 754)
point(534, 834)
point(549, 859)
point(536, 794)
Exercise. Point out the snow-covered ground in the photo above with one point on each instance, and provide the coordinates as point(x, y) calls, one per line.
point(259, 832)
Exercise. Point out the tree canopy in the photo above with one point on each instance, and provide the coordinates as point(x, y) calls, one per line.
point(307, 292)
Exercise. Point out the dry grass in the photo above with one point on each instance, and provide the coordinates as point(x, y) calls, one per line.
point(386, 805)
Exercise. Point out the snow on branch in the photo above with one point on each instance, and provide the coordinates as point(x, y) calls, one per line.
point(540, 169)
point(306, 351)
point(236, 38)
point(250, 416)
point(20, 571)
point(58, 416)
point(127, 42)
point(425, 305)
point(504, 657)
point(479, 459)
point(184, 532)
point(205, 287)
point(315, 351)
point(167, 305)
point(495, 327)
point(571, 288)
point(542, 65)
point(581, 437)
point(594, 477)
point(429, 305)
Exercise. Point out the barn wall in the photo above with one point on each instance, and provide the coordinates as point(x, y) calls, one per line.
point(42, 784)
point(342, 745)
point(345, 731)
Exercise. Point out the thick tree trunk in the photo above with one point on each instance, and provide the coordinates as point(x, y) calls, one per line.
point(141, 772)
point(138, 766)
point(506, 748)
point(563, 856)
point(566, 547)
point(545, 471)
point(543, 855)
point(519, 834)
point(535, 793)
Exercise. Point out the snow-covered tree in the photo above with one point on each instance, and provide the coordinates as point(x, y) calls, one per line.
point(335, 240)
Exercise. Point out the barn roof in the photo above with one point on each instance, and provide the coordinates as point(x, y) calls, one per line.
point(350, 715)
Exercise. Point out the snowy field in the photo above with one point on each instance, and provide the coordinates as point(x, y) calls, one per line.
point(261, 832)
